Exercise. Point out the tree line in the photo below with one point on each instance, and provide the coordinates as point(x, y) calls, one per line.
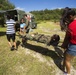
point(48, 15)
point(40, 15)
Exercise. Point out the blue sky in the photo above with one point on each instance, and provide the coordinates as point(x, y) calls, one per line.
point(30, 5)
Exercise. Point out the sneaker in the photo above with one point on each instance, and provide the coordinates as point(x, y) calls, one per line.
point(12, 48)
point(65, 73)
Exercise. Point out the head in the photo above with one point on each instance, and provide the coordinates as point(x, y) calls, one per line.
point(55, 40)
point(25, 16)
point(22, 20)
point(67, 16)
point(71, 15)
point(8, 16)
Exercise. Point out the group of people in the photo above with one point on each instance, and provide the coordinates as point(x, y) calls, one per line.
point(10, 32)
point(25, 24)
point(69, 43)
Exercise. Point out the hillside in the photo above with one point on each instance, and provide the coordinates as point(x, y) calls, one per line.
point(35, 58)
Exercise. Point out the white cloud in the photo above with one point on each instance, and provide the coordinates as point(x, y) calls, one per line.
point(56, 8)
point(19, 8)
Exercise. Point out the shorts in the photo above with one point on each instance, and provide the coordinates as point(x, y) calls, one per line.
point(11, 36)
point(71, 49)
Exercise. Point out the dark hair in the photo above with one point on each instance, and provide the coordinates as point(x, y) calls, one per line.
point(70, 12)
point(21, 20)
point(65, 11)
point(8, 16)
point(25, 15)
point(64, 21)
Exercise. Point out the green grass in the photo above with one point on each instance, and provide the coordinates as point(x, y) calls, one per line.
point(35, 58)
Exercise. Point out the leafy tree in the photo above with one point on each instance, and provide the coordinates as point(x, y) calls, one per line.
point(4, 5)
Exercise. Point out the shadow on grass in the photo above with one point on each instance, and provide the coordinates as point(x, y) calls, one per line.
point(18, 43)
point(55, 55)
point(2, 33)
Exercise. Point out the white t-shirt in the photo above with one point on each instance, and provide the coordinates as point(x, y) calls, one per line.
point(10, 26)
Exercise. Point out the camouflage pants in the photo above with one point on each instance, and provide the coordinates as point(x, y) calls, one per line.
point(46, 39)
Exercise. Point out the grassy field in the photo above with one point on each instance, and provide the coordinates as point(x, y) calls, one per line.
point(36, 58)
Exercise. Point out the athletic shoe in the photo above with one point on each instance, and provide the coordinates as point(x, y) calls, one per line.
point(12, 48)
point(65, 73)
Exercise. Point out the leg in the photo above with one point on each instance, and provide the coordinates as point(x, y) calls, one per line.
point(20, 31)
point(67, 62)
point(14, 43)
point(13, 39)
point(8, 38)
point(9, 43)
point(24, 40)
